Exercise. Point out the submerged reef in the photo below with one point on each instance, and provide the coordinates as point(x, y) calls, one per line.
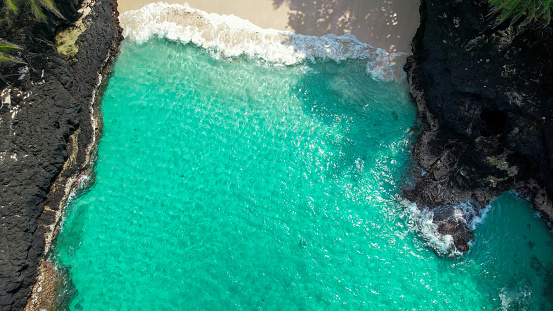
point(46, 128)
point(484, 91)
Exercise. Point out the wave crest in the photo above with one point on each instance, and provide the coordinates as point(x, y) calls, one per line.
point(230, 36)
point(425, 222)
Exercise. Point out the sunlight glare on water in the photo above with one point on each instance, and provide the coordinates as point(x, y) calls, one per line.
point(232, 184)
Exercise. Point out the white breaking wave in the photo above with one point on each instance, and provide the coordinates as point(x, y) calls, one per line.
point(422, 221)
point(231, 36)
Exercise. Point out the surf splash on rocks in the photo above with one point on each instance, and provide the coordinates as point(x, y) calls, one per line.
point(447, 229)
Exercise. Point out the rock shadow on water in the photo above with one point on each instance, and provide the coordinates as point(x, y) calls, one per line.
point(516, 250)
point(371, 123)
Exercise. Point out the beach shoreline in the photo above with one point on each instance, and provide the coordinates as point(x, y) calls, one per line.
point(385, 24)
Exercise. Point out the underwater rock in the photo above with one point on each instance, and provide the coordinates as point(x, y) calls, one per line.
point(485, 95)
point(50, 100)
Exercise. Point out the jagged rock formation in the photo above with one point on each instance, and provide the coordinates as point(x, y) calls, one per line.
point(485, 95)
point(45, 116)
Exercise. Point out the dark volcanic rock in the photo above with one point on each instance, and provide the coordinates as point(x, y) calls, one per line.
point(44, 101)
point(485, 94)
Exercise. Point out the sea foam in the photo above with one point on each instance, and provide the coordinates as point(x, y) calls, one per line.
point(422, 221)
point(231, 36)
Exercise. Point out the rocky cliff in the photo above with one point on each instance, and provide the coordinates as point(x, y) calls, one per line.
point(46, 127)
point(485, 94)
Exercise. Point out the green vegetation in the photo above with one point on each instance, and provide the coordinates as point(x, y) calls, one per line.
point(538, 11)
point(5, 48)
point(9, 9)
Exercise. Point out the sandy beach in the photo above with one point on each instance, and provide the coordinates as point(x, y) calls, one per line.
point(386, 24)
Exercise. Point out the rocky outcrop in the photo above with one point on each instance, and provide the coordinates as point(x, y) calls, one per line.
point(45, 125)
point(485, 94)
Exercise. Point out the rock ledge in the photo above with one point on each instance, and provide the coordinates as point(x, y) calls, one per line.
point(47, 130)
point(485, 95)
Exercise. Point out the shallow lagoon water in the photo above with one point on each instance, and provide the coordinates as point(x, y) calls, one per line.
point(234, 184)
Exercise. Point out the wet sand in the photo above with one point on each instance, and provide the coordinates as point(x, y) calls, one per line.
point(387, 24)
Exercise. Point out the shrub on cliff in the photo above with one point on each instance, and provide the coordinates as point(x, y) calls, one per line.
point(538, 11)
point(5, 48)
point(9, 9)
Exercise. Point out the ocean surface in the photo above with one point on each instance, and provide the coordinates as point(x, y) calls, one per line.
point(243, 182)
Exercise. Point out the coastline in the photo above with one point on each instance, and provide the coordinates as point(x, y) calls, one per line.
point(52, 107)
point(51, 282)
point(77, 155)
point(78, 171)
point(487, 113)
point(82, 158)
point(385, 24)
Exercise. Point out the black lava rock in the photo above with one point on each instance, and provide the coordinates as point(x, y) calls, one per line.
point(44, 100)
point(485, 94)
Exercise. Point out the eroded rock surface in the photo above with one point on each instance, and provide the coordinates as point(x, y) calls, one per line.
point(44, 101)
point(485, 95)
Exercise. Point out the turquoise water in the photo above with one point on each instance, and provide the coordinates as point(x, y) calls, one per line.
point(230, 184)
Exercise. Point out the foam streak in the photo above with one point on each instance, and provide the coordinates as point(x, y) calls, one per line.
point(230, 36)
